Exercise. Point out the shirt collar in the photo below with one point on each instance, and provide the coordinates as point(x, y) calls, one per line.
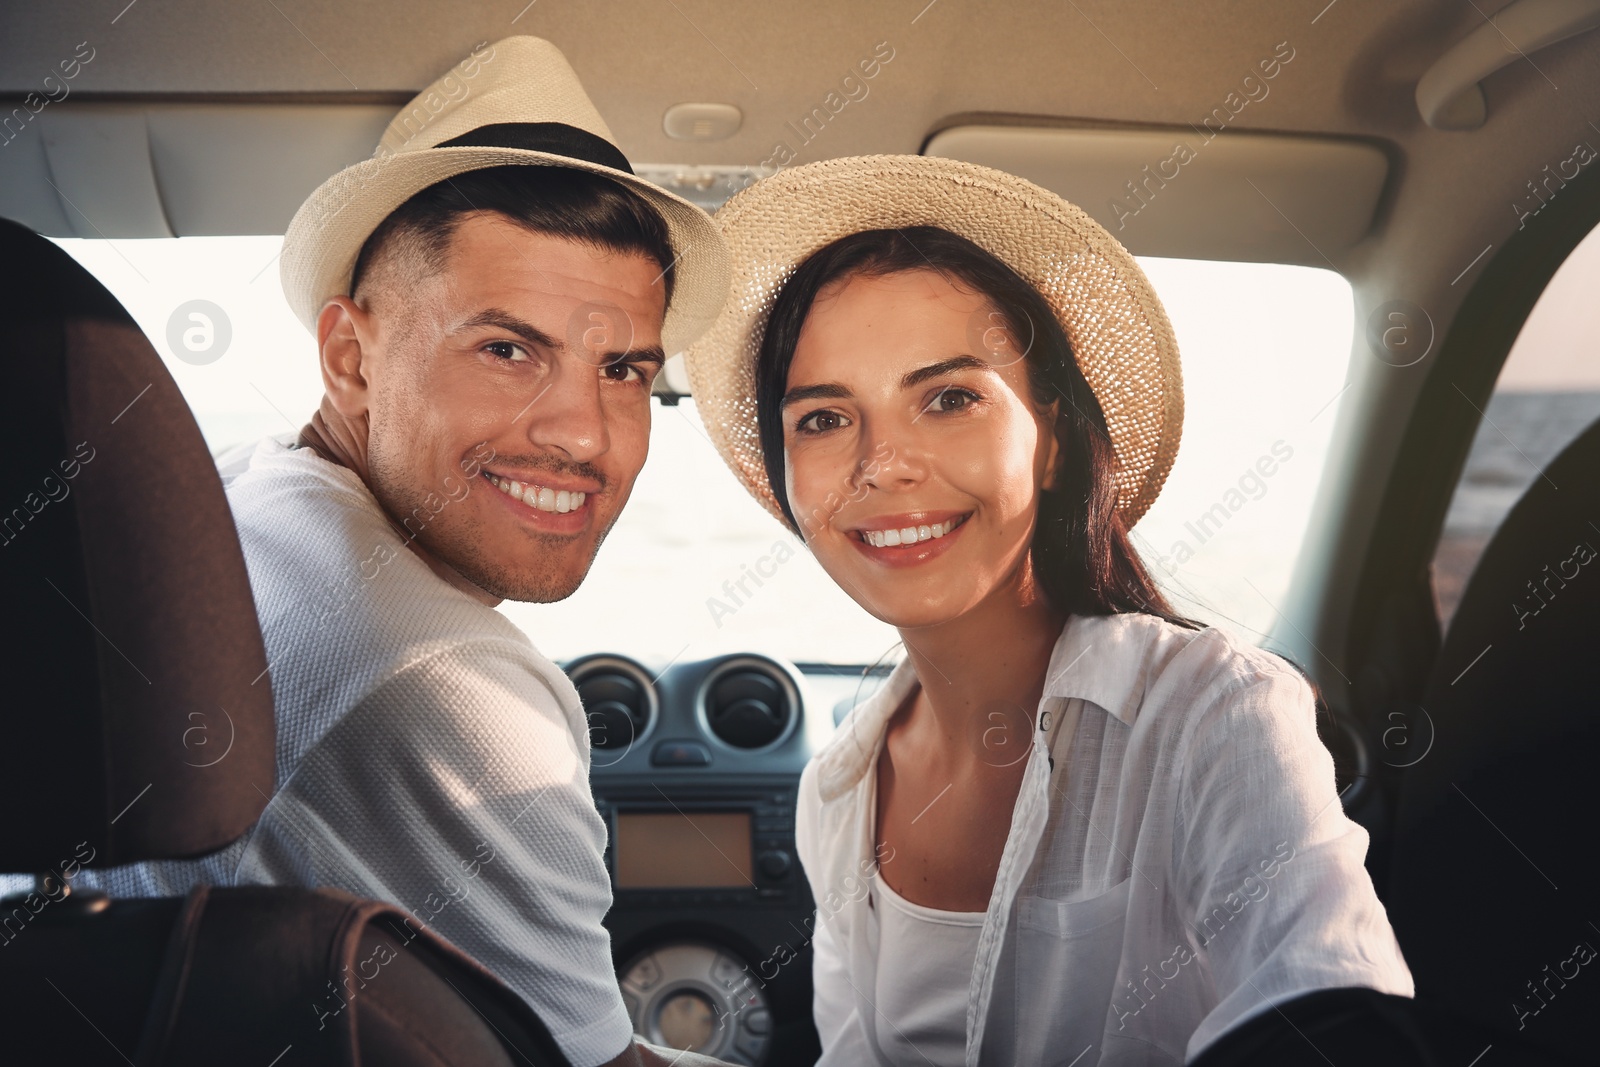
point(850, 752)
point(1101, 659)
point(1104, 660)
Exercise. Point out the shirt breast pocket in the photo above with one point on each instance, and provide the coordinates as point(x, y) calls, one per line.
point(1067, 954)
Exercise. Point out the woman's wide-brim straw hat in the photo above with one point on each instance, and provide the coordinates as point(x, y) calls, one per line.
point(517, 101)
point(1116, 325)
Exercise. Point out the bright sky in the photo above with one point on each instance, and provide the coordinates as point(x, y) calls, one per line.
point(1559, 346)
point(1264, 350)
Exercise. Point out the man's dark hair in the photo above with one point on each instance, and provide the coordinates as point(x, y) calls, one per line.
point(558, 201)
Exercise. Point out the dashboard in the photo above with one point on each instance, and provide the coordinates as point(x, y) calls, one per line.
point(695, 770)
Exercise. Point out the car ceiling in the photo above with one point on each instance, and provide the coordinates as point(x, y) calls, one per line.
point(1447, 199)
point(1156, 63)
point(1127, 64)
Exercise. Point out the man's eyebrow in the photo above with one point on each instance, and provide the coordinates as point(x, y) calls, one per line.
point(650, 354)
point(944, 366)
point(825, 391)
point(504, 320)
point(500, 319)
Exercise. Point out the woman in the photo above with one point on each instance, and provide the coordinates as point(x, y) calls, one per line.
point(1071, 827)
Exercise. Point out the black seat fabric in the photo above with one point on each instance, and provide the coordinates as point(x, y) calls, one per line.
point(1358, 1027)
point(1495, 870)
point(133, 655)
point(139, 726)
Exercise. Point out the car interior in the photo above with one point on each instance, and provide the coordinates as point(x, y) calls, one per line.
point(1378, 232)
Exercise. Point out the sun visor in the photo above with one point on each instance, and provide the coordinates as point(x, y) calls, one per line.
point(117, 170)
point(1195, 193)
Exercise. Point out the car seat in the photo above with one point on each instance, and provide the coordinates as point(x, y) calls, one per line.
point(140, 728)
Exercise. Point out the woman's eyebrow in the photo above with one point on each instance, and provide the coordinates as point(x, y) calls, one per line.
point(835, 391)
point(944, 366)
point(824, 391)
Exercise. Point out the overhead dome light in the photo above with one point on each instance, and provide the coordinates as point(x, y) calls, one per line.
point(701, 122)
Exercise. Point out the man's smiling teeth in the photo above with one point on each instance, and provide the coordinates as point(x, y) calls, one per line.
point(908, 536)
point(535, 497)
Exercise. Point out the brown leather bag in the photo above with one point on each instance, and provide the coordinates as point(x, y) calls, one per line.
point(324, 978)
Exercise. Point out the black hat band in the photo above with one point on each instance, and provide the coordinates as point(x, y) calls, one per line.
point(556, 138)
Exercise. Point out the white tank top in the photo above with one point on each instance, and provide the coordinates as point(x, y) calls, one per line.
point(925, 959)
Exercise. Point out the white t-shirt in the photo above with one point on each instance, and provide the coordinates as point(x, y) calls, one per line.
point(428, 755)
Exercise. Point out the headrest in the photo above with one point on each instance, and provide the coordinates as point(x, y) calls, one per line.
point(1493, 817)
point(1517, 672)
point(140, 723)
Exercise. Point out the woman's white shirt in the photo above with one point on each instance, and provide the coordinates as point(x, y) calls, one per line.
point(1177, 859)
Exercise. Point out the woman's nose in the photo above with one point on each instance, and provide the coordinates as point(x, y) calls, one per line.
point(891, 459)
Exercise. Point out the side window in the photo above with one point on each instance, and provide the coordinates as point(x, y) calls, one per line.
point(1547, 393)
point(1265, 350)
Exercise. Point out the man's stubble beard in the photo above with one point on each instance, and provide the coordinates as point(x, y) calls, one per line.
point(454, 537)
point(462, 549)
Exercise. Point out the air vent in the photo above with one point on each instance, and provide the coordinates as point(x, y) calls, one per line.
point(618, 698)
point(749, 702)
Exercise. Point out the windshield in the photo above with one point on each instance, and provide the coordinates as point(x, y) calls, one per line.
point(695, 568)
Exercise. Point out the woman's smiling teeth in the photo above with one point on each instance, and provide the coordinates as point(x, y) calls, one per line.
point(910, 535)
point(560, 501)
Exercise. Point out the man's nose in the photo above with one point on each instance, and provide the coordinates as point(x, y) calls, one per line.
point(567, 414)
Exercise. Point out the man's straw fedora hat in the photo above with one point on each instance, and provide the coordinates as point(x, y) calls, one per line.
point(517, 101)
point(1116, 325)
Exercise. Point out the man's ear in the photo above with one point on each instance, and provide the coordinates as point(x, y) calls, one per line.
point(344, 334)
point(1052, 459)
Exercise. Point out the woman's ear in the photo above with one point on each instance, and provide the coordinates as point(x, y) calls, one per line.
point(1052, 459)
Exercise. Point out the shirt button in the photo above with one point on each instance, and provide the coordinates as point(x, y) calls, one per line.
point(1044, 720)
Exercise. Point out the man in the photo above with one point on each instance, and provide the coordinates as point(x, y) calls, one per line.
point(492, 295)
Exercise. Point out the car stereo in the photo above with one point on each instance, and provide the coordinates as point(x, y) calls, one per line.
point(723, 848)
point(710, 916)
point(696, 775)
